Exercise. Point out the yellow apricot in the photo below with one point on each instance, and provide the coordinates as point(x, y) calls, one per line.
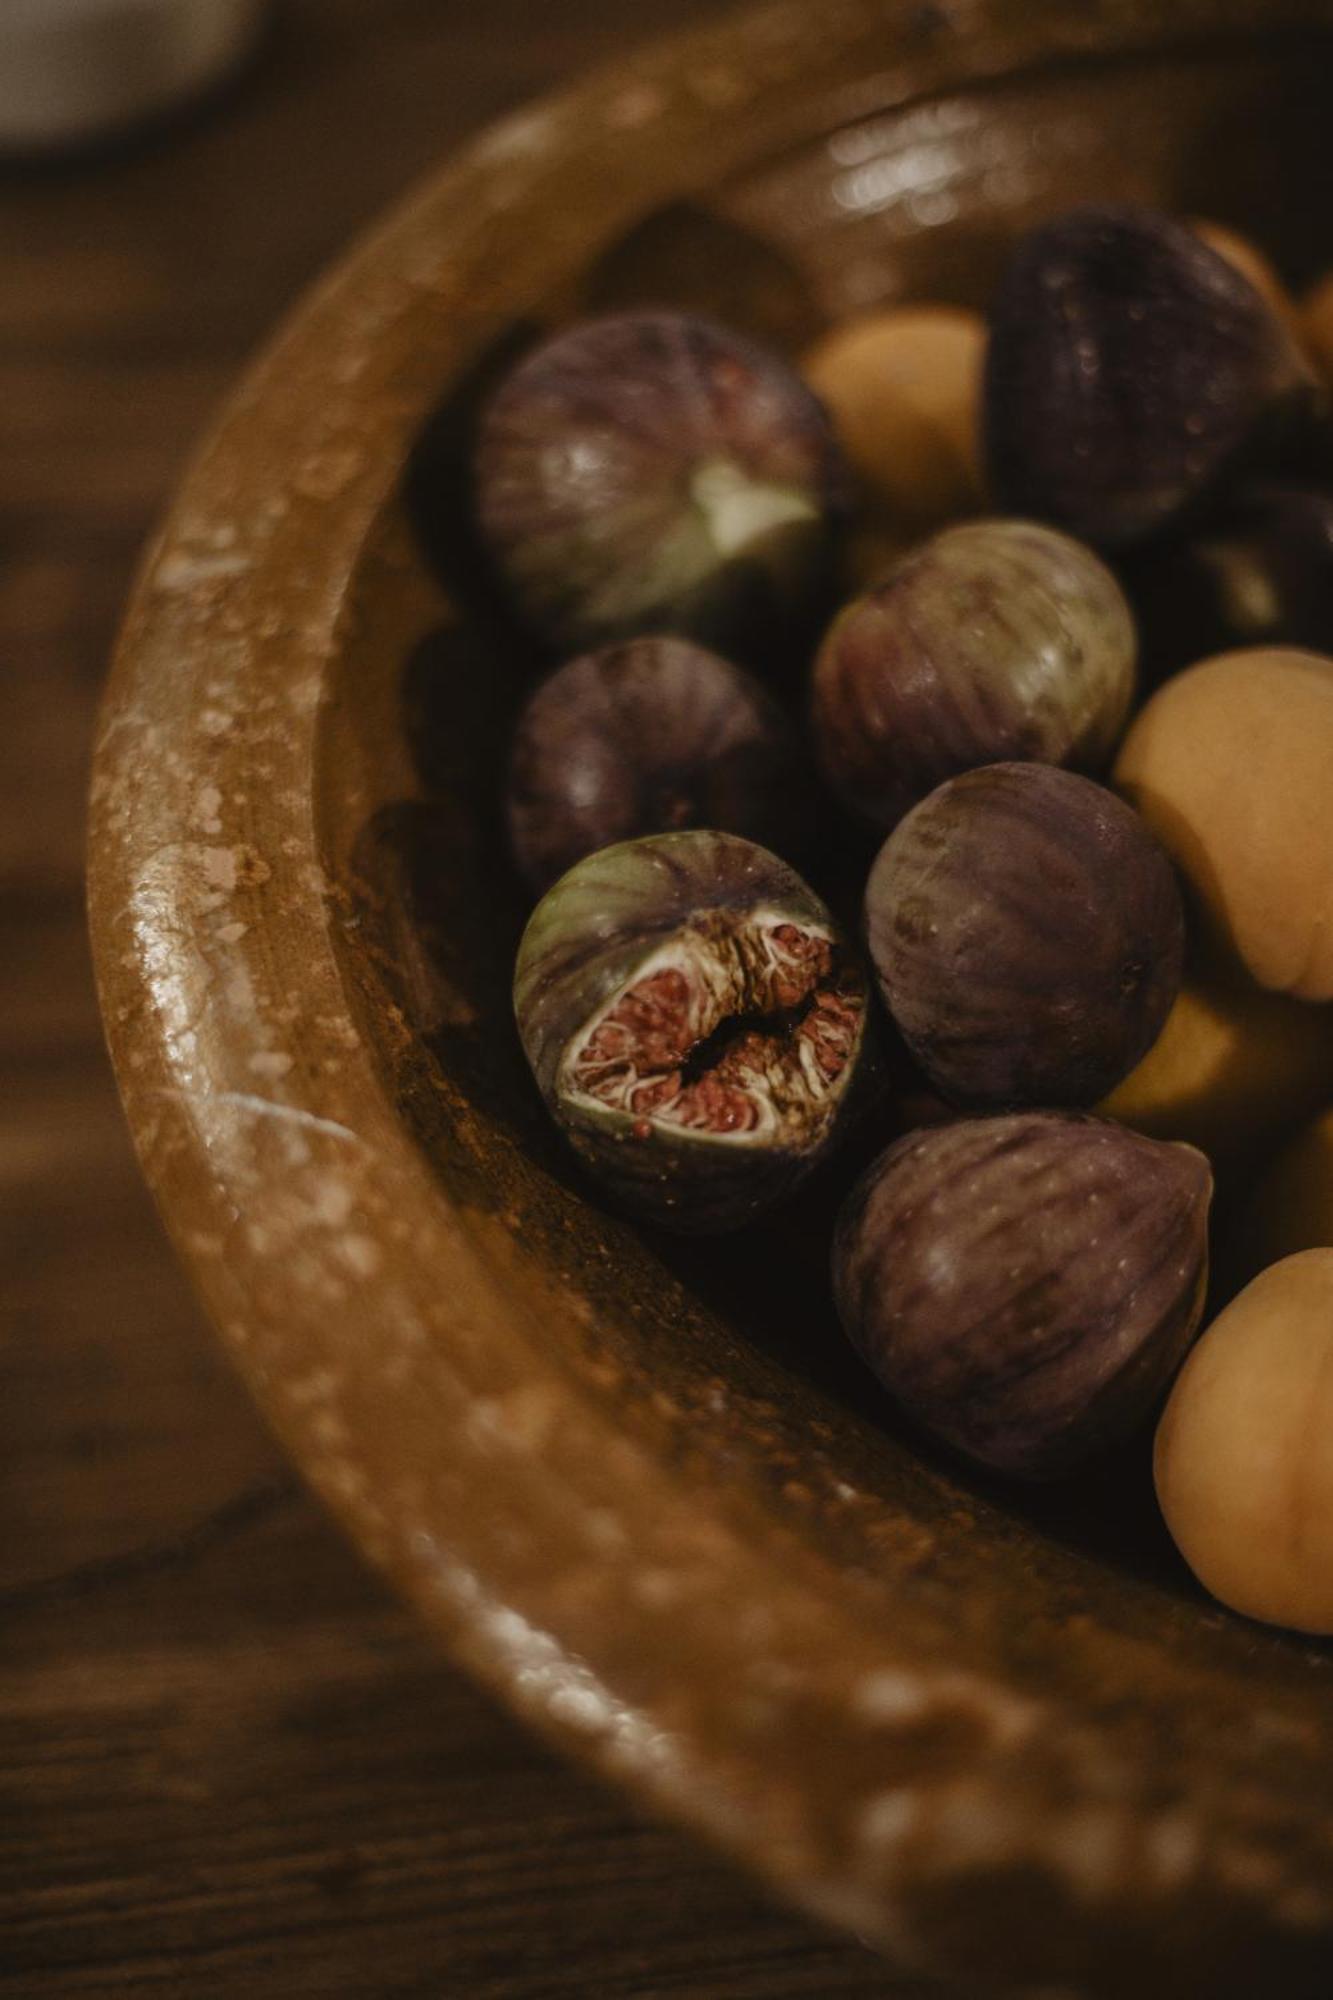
point(1232, 763)
point(1233, 1066)
point(1243, 1458)
point(1250, 261)
point(1292, 1207)
point(903, 389)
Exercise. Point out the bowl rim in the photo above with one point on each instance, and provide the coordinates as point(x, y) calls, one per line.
point(204, 847)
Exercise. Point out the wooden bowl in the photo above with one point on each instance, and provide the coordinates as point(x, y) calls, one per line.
point(640, 1488)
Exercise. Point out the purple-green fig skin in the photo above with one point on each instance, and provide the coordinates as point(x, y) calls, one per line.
point(696, 1024)
point(655, 471)
point(1026, 1286)
point(991, 642)
point(1129, 367)
point(651, 735)
point(1028, 934)
point(1259, 574)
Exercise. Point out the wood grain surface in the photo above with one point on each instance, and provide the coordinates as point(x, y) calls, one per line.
point(229, 1764)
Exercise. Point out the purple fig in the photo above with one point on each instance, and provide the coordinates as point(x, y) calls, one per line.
point(993, 640)
point(1259, 574)
point(1130, 365)
point(651, 736)
point(1028, 934)
point(653, 471)
point(1026, 1286)
point(695, 1023)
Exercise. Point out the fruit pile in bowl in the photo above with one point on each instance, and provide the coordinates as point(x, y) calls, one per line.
point(939, 766)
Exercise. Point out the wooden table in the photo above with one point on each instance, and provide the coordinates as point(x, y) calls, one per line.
point(229, 1763)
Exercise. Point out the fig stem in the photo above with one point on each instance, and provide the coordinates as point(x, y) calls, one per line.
point(738, 511)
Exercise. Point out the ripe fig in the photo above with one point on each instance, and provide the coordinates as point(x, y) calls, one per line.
point(695, 1023)
point(1025, 1286)
point(652, 735)
point(994, 640)
point(1260, 573)
point(1129, 366)
point(1028, 935)
point(654, 471)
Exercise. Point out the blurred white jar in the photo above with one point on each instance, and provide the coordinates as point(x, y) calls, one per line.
point(74, 70)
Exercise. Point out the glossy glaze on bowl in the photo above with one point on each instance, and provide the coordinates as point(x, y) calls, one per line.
point(642, 1489)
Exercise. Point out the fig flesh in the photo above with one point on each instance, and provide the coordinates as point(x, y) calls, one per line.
point(695, 1022)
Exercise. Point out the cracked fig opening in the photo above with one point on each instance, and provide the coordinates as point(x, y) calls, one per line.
point(733, 1030)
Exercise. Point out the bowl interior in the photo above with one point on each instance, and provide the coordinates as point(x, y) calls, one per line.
point(917, 203)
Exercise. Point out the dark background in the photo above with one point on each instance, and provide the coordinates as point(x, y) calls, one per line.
point(228, 1763)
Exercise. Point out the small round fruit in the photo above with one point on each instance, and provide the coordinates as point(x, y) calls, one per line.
point(1232, 763)
point(1025, 1286)
point(1261, 573)
point(650, 736)
point(995, 640)
point(1244, 1452)
point(1250, 261)
point(1231, 1070)
point(903, 388)
point(655, 471)
point(695, 1023)
point(1028, 935)
point(1129, 366)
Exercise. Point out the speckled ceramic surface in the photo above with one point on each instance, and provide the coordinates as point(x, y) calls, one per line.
point(641, 1489)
